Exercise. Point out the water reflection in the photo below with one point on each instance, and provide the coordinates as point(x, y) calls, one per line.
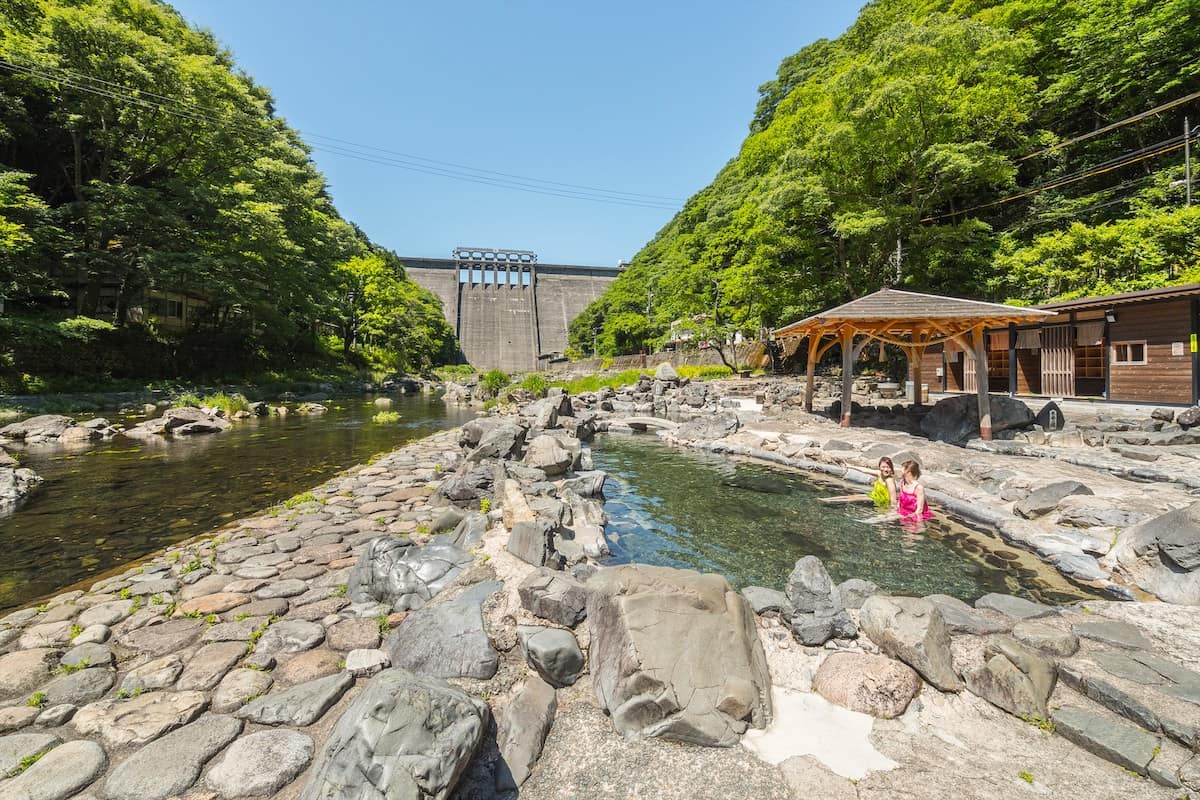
point(107, 503)
point(751, 522)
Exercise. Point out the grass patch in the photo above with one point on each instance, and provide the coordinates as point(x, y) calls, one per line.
point(1025, 776)
point(1040, 723)
point(36, 700)
point(593, 383)
point(485, 505)
point(386, 418)
point(703, 372)
point(76, 630)
point(304, 497)
point(26, 763)
point(534, 384)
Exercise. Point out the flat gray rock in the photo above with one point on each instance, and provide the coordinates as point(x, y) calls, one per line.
point(1114, 632)
point(261, 764)
point(447, 639)
point(80, 687)
point(138, 720)
point(554, 596)
point(157, 674)
point(54, 716)
point(1119, 742)
point(88, 655)
point(288, 588)
point(404, 577)
point(240, 687)
point(1122, 666)
point(172, 636)
point(169, 766)
point(1044, 500)
point(59, 774)
point(1015, 607)
point(1047, 638)
point(299, 706)
point(209, 664)
point(290, 636)
point(961, 618)
point(406, 737)
point(23, 671)
point(18, 746)
point(763, 600)
point(522, 731)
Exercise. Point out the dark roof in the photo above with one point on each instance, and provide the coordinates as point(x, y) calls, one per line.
point(1162, 293)
point(895, 305)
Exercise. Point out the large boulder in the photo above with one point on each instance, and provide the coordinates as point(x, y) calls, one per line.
point(1162, 556)
point(42, 428)
point(817, 614)
point(554, 596)
point(447, 639)
point(393, 571)
point(406, 737)
point(1013, 677)
point(707, 428)
point(956, 419)
point(912, 630)
point(547, 454)
point(532, 541)
point(553, 653)
point(875, 685)
point(676, 654)
point(501, 441)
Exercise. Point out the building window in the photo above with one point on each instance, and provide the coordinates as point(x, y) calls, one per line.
point(1129, 353)
point(160, 307)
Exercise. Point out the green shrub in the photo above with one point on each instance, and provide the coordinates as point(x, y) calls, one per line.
point(493, 381)
point(386, 418)
point(454, 371)
point(229, 403)
point(593, 383)
point(187, 400)
point(534, 384)
point(704, 373)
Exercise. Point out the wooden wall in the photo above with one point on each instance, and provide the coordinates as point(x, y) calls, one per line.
point(931, 362)
point(1164, 378)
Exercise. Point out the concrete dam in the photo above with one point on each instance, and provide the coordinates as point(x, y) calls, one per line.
point(508, 311)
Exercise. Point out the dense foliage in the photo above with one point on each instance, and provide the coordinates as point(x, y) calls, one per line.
point(135, 158)
point(916, 126)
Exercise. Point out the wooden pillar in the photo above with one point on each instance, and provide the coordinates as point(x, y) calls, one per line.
point(915, 355)
point(981, 379)
point(1012, 359)
point(847, 376)
point(814, 344)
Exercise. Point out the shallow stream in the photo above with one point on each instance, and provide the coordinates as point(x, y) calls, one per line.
point(111, 502)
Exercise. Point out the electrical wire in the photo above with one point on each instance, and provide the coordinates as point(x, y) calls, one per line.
point(1061, 182)
point(348, 149)
point(1112, 127)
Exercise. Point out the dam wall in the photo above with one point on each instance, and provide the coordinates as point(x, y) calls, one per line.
point(510, 316)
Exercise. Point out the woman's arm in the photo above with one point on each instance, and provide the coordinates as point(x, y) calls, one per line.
point(893, 493)
point(920, 499)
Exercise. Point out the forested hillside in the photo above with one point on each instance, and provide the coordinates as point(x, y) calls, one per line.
point(946, 126)
point(137, 161)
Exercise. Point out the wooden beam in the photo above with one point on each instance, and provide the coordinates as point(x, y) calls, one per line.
point(810, 387)
point(847, 376)
point(981, 380)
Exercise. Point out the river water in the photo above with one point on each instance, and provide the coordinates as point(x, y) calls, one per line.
point(112, 502)
point(749, 522)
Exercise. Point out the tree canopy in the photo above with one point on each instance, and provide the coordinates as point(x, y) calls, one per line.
point(135, 157)
point(930, 128)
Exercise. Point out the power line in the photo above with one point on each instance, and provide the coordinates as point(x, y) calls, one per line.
point(198, 113)
point(1112, 127)
point(1062, 182)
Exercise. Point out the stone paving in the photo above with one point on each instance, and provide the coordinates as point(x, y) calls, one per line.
point(297, 654)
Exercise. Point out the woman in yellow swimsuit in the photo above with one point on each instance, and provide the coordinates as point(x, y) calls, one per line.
point(883, 493)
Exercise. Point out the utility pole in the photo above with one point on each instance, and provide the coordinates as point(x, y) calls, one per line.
point(1187, 159)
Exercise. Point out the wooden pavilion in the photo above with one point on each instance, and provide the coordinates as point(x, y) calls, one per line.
point(913, 322)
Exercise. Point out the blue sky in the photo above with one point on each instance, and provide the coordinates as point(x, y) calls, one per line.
point(634, 97)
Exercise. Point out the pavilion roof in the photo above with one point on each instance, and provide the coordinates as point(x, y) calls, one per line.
point(893, 312)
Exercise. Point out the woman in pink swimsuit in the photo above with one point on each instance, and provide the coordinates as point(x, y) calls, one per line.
point(912, 505)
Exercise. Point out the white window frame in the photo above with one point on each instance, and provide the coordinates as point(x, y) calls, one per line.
point(1116, 362)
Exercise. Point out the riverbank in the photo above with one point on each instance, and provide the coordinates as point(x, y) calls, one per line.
point(247, 663)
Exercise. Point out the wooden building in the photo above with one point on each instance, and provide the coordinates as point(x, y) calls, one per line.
point(1138, 347)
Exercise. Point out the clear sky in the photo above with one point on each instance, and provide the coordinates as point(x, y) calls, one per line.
point(646, 98)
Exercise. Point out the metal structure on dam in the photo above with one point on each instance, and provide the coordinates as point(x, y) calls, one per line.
point(508, 310)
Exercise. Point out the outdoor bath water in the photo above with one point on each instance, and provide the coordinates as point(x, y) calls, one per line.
point(749, 522)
